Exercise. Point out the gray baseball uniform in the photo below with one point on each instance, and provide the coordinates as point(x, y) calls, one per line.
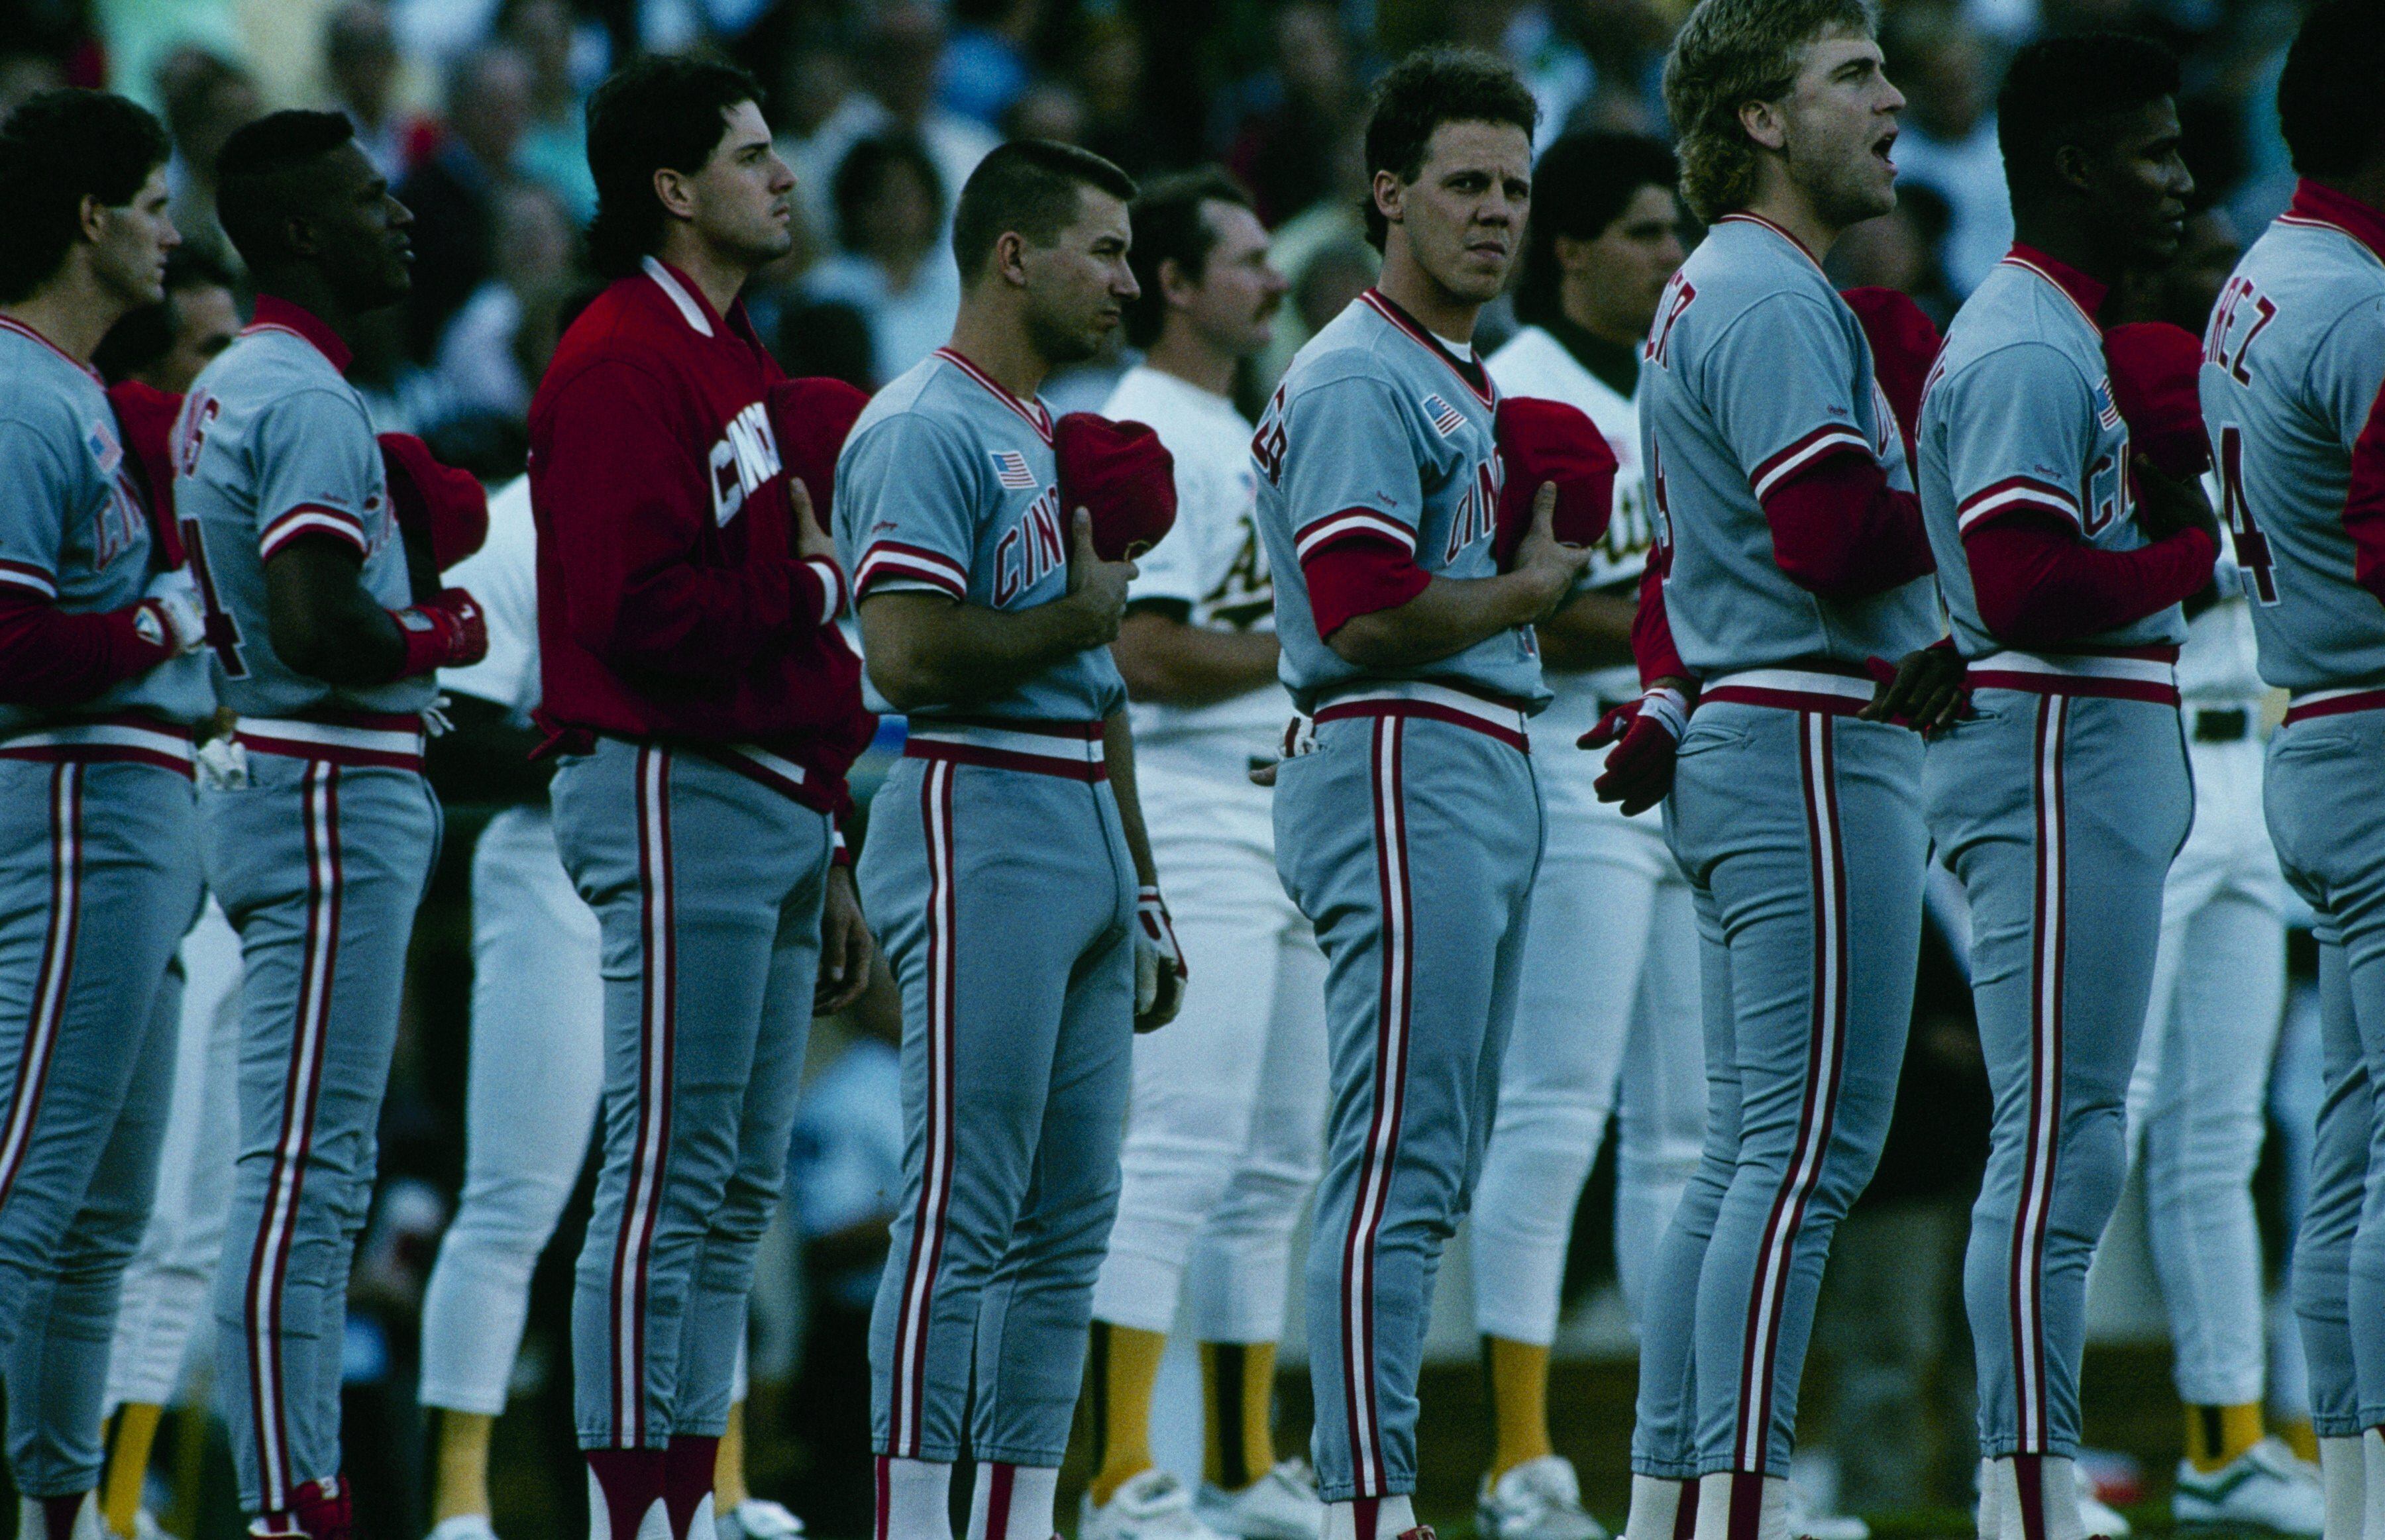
point(1406, 782)
point(998, 878)
point(1754, 369)
point(98, 881)
point(2291, 367)
point(318, 854)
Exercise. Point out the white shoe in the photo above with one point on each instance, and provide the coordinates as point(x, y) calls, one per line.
point(757, 1519)
point(1151, 1506)
point(463, 1526)
point(1281, 1505)
point(2097, 1517)
point(1808, 1525)
point(2264, 1488)
point(1540, 1500)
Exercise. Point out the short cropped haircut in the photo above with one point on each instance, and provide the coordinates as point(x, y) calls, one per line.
point(1028, 186)
point(1171, 224)
point(57, 149)
point(1430, 87)
point(143, 336)
point(260, 179)
point(661, 111)
point(1583, 183)
point(2328, 101)
point(2068, 91)
point(1728, 53)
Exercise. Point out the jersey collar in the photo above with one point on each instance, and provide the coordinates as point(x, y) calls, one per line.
point(275, 314)
point(1038, 416)
point(2317, 204)
point(685, 297)
point(1744, 216)
point(10, 323)
point(1469, 370)
point(2076, 286)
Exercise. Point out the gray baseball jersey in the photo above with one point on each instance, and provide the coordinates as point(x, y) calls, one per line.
point(947, 484)
point(1413, 460)
point(2018, 414)
point(1754, 369)
point(73, 528)
point(273, 443)
point(2292, 367)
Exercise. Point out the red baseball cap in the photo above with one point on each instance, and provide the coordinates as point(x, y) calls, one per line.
point(1123, 476)
point(2155, 365)
point(449, 504)
point(811, 419)
point(1548, 441)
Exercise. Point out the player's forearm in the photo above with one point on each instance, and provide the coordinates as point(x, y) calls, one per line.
point(1593, 631)
point(1840, 531)
point(324, 624)
point(1117, 759)
point(926, 650)
point(1171, 664)
point(2039, 585)
point(1448, 617)
point(51, 659)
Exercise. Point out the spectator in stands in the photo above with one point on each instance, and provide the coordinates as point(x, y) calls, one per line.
point(1297, 112)
point(1946, 140)
point(207, 97)
point(26, 72)
point(554, 147)
point(360, 58)
point(497, 346)
point(1110, 66)
point(165, 345)
point(454, 193)
point(987, 66)
point(899, 59)
point(893, 269)
point(1047, 109)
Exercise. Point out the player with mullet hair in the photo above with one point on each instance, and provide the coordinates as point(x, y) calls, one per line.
point(99, 872)
point(1793, 556)
point(2293, 399)
point(1007, 868)
point(1410, 654)
point(325, 623)
point(2061, 798)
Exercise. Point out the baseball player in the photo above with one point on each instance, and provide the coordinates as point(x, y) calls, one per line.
point(2060, 801)
point(706, 708)
point(1609, 982)
point(99, 686)
point(1796, 555)
point(2293, 363)
point(1007, 866)
point(1222, 1137)
point(324, 625)
point(1411, 656)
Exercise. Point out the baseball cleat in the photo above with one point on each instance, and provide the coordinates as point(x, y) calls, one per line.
point(1807, 1525)
point(757, 1519)
point(1540, 1500)
point(1281, 1505)
point(1151, 1506)
point(2266, 1487)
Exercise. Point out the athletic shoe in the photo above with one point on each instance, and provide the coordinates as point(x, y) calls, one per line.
point(1281, 1505)
point(463, 1526)
point(2262, 1488)
point(1806, 1524)
point(2099, 1518)
point(1151, 1506)
point(757, 1519)
point(1540, 1500)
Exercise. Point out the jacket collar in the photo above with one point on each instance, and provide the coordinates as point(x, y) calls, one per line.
point(275, 314)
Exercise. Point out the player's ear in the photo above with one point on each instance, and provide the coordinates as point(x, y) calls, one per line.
point(1766, 123)
point(672, 191)
point(2074, 170)
point(1010, 257)
point(1391, 196)
point(90, 215)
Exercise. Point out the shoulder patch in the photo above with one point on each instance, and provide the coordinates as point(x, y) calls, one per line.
point(1446, 419)
point(1010, 469)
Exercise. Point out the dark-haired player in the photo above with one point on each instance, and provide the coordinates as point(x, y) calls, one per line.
point(2061, 800)
point(1006, 866)
point(1796, 554)
point(323, 632)
point(99, 871)
point(2293, 363)
point(1607, 1009)
point(706, 710)
point(1408, 817)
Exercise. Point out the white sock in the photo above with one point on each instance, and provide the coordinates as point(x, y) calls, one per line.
point(653, 1525)
point(2057, 1497)
point(917, 1501)
point(2343, 1476)
point(2372, 1484)
point(1992, 1505)
point(2060, 1479)
point(1655, 1507)
point(1713, 1521)
point(1024, 1509)
point(1394, 1515)
point(34, 1522)
point(1714, 1507)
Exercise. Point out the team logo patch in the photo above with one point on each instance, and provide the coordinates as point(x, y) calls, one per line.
point(2106, 412)
point(1446, 419)
point(103, 449)
point(1010, 470)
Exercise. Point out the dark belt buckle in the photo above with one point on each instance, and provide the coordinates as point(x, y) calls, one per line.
point(2229, 725)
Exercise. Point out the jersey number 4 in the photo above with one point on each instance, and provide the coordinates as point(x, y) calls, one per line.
point(2236, 512)
point(223, 631)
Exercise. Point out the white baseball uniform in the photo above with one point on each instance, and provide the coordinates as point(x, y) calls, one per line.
point(1225, 1129)
point(537, 1053)
point(2202, 1079)
point(1610, 974)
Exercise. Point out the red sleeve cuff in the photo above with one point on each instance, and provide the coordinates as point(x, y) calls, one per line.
point(1359, 575)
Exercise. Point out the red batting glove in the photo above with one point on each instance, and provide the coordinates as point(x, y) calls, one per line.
point(446, 632)
point(1646, 733)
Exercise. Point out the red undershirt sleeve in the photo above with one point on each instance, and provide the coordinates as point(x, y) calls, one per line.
point(1651, 629)
point(1358, 575)
point(2038, 585)
point(1839, 531)
point(51, 658)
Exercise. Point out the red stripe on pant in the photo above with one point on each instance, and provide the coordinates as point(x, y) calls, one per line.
point(2044, 1131)
point(908, 1388)
point(1391, 1024)
point(633, 1241)
point(1826, 1057)
point(56, 976)
point(268, 1264)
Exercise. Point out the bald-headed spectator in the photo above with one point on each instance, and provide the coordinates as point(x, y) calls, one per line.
point(452, 193)
point(165, 345)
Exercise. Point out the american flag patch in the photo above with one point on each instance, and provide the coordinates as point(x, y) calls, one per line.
point(1446, 419)
point(103, 449)
point(2106, 412)
point(1010, 470)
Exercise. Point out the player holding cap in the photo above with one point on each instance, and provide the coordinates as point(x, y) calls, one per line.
point(325, 622)
point(1796, 555)
point(1222, 1142)
point(2062, 798)
point(1609, 985)
point(706, 708)
point(1411, 652)
point(99, 686)
point(2293, 363)
point(1006, 866)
